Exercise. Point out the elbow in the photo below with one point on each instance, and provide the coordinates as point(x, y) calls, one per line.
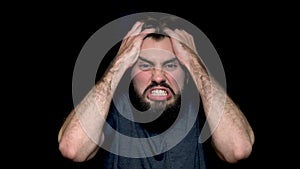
point(79, 152)
point(70, 152)
point(239, 153)
point(241, 150)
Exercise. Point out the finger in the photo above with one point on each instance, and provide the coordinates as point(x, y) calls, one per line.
point(137, 27)
point(139, 36)
point(134, 28)
point(172, 34)
point(188, 37)
point(175, 39)
point(148, 31)
point(139, 39)
point(137, 31)
point(190, 40)
point(133, 42)
point(182, 37)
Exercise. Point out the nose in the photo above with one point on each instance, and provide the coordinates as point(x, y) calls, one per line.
point(158, 76)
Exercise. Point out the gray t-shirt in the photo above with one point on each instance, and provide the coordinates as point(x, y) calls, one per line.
point(131, 145)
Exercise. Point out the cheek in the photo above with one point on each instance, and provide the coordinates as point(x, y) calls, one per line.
point(177, 80)
point(141, 80)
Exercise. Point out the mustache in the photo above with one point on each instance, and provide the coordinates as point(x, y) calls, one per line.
point(162, 84)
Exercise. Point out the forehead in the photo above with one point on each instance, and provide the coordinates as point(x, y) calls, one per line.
point(157, 50)
point(164, 43)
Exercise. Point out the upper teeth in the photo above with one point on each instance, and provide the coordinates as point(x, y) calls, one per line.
point(159, 92)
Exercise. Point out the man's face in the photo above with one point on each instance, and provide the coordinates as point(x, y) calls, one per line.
point(157, 76)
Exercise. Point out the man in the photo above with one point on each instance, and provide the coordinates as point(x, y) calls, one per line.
point(164, 67)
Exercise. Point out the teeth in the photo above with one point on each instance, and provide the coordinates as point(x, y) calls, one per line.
point(159, 92)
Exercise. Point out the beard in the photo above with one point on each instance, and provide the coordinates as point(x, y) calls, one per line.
point(166, 113)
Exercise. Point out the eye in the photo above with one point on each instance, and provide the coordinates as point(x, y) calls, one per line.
point(145, 66)
point(170, 66)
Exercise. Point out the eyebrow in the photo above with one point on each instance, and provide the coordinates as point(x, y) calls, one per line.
point(165, 62)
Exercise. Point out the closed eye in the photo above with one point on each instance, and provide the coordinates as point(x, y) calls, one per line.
point(171, 66)
point(145, 66)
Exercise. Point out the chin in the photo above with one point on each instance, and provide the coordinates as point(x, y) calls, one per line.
point(161, 105)
point(166, 102)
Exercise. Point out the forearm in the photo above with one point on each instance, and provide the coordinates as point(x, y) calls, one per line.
point(81, 133)
point(232, 135)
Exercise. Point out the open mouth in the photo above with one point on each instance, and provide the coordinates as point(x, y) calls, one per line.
point(159, 94)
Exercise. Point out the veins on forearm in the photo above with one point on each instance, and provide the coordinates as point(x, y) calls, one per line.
point(101, 94)
point(200, 75)
point(207, 86)
point(107, 85)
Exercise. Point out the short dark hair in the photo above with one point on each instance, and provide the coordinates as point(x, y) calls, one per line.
point(156, 36)
point(159, 23)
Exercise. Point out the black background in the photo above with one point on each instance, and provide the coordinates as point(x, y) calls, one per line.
point(44, 41)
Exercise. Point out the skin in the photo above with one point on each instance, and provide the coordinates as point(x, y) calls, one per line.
point(158, 64)
point(232, 136)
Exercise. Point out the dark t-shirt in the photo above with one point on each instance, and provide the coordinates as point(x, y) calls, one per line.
point(129, 145)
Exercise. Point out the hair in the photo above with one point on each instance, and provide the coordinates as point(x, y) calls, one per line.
point(156, 36)
point(159, 23)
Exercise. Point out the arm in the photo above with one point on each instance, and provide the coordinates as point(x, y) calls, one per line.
point(81, 134)
point(232, 136)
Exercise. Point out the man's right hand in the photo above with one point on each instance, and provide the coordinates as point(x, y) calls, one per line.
point(131, 45)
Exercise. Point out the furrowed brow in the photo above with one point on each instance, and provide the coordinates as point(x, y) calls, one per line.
point(169, 61)
point(165, 62)
point(145, 60)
